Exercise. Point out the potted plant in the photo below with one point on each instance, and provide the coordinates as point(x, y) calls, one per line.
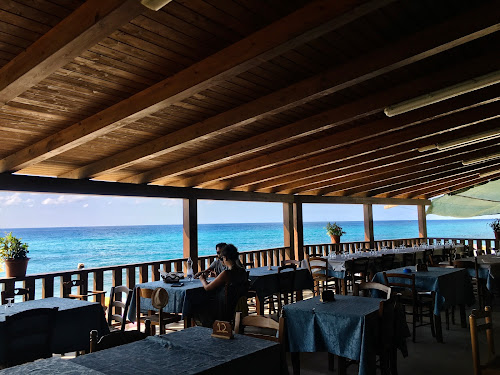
point(334, 231)
point(495, 225)
point(14, 254)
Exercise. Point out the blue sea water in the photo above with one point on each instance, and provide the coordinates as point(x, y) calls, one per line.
point(59, 249)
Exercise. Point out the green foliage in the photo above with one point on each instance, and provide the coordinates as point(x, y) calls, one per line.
point(334, 229)
point(12, 248)
point(495, 225)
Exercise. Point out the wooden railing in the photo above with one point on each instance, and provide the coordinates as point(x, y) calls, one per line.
point(102, 278)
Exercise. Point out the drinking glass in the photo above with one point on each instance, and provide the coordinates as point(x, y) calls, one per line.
point(10, 302)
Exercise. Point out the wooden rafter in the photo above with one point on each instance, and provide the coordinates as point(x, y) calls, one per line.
point(306, 24)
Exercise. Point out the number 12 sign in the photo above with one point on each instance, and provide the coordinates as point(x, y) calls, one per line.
point(222, 330)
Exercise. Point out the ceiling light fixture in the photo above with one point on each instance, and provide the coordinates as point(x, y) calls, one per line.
point(482, 158)
point(479, 137)
point(443, 94)
point(155, 4)
point(491, 173)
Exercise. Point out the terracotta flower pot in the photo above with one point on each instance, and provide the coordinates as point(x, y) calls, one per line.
point(335, 238)
point(16, 267)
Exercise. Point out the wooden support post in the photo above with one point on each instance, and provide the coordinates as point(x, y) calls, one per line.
point(298, 231)
point(422, 221)
point(190, 233)
point(288, 230)
point(368, 218)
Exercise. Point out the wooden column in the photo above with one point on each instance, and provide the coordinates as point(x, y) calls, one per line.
point(368, 219)
point(422, 221)
point(288, 230)
point(298, 231)
point(190, 232)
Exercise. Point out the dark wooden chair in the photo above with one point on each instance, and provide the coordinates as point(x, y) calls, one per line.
point(286, 284)
point(157, 317)
point(99, 295)
point(287, 262)
point(27, 335)
point(357, 271)
point(117, 309)
point(409, 259)
point(421, 302)
point(25, 292)
point(362, 289)
point(492, 366)
point(117, 338)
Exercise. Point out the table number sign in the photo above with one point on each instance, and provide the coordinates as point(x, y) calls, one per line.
point(421, 267)
point(222, 330)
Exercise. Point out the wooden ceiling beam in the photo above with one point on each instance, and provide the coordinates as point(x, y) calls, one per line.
point(93, 21)
point(329, 142)
point(404, 52)
point(309, 23)
point(405, 164)
point(306, 199)
point(470, 182)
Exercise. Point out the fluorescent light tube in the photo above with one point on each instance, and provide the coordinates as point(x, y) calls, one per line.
point(471, 139)
point(443, 94)
point(482, 158)
point(491, 173)
point(155, 4)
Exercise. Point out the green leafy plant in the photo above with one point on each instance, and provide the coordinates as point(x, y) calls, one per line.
point(12, 248)
point(334, 229)
point(495, 225)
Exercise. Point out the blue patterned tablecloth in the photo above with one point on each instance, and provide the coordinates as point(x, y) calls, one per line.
point(50, 366)
point(489, 269)
point(452, 285)
point(190, 351)
point(265, 281)
point(74, 321)
point(346, 327)
point(180, 299)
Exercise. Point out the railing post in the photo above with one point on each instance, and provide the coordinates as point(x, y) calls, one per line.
point(288, 230)
point(29, 283)
point(298, 231)
point(190, 232)
point(48, 287)
point(131, 277)
point(368, 220)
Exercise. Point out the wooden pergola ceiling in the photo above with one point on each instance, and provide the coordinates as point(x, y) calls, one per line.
point(269, 96)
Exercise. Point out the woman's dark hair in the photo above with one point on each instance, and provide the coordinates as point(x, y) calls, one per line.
point(220, 245)
point(230, 252)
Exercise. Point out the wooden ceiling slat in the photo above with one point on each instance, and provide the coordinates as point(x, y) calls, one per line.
point(73, 35)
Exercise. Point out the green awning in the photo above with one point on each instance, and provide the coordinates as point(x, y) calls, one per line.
point(476, 201)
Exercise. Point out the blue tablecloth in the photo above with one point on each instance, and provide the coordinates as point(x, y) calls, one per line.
point(50, 366)
point(74, 321)
point(489, 269)
point(190, 351)
point(265, 281)
point(180, 299)
point(346, 327)
point(452, 285)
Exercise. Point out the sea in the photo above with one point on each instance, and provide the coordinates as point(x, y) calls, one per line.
point(61, 249)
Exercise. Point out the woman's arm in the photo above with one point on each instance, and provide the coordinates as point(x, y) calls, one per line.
point(217, 283)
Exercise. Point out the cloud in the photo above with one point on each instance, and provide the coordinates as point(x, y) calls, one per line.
point(85, 205)
point(11, 200)
point(63, 199)
point(172, 202)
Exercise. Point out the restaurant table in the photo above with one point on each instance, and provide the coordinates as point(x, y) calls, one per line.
point(74, 320)
point(49, 366)
point(347, 327)
point(489, 269)
point(190, 351)
point(264, 282)
point(452, 286)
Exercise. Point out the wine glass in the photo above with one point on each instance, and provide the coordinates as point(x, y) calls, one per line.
point(10, 302)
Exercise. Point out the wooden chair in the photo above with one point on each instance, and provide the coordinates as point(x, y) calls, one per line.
point(69, 285)
point(478, 284)
point(157, 318)
point(364, 287)
point(357, 271)
point(25, 292)
point(422, 303)
point(118, 310)
point(286, 285)
point(427, 257)
point(493, 364)
point(19, 332)
point(267, 328)
point(409, 259)
point(319, 272)
point(287, 262)
point(117, 338)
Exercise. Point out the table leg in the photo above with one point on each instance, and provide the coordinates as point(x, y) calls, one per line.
point(439, 328)
point(342, 365)
point(331, 362)
point(344, 287)
point(188, 322)
point(295, 356)
point(463, 320)
point(259, 306)
point(299, 296)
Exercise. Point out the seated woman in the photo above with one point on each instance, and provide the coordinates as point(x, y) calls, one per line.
point(228, 287)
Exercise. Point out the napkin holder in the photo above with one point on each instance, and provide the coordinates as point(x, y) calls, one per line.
point(421, 267)
point(327, 296)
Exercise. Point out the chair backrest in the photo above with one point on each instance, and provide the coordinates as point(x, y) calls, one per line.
point(364, 287)
point(287, 262)
point(116, 304)
point(475, 328)
point(409, 259)
point(387, 261)
point(318, 267)
point(145, 293)
point(286, 284)
point(427, 258)
point(27, 335)
point(17, 292)
point(117, 338)
point(270, 329)
point(401, 284)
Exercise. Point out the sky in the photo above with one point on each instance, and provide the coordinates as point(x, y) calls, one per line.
point(35, 210)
